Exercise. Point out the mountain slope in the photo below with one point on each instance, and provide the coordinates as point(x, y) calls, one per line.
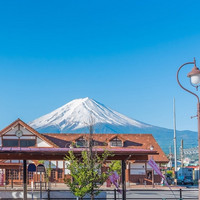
point(75, 116)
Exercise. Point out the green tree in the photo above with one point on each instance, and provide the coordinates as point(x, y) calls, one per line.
point(86, 173)
point(115, 166)
point(86, 170)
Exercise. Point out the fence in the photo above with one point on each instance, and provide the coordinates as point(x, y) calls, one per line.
point(138, 194)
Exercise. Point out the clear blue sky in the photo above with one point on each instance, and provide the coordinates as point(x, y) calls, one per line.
point(124, 54)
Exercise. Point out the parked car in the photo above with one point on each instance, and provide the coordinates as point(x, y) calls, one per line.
point(185, 180)
point(188, 180)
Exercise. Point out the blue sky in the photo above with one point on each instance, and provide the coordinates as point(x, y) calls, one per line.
point(124, 54)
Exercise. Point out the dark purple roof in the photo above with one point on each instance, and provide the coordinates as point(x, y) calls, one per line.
point(75, 150)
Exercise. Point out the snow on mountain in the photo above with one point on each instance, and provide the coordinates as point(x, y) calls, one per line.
point(75, 116)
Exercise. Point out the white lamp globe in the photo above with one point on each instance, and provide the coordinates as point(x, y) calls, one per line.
point(195, 79)
point(151, 147)
point(194, 75)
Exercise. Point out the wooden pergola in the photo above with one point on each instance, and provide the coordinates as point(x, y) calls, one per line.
point(43, 153)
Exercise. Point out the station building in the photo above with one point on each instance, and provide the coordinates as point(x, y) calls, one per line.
point(19, 135)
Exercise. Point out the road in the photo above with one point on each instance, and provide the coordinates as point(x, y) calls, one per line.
point(158, 194)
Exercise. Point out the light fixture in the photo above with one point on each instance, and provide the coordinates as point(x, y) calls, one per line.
point(151, 147)
point(194, 75)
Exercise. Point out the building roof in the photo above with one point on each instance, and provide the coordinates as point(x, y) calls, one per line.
point(133, 145)
point(44, 153)
point(20, 122)
point(131, 141)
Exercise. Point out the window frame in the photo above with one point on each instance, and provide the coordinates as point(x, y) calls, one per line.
point(115, 142)
point(18, 142)
point(84, 142)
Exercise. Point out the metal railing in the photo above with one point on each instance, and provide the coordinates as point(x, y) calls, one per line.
point(132, 194)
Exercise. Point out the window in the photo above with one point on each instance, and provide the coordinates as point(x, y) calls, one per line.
point(12, 174)
point(30, 175)
point(15, 143)
point(10, 143)
point(95, 143)
point(137, 169)
point(115, 142)
point(27, 143)
point(81, 142)
point(53, 173)
point(60, 173)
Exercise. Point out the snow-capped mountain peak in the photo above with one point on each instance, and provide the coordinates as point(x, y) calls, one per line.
point(76, 115)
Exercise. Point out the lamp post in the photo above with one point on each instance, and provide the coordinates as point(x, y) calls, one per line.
point(153, 184)
point(194, 76)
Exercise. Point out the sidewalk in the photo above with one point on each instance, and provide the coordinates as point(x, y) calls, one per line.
point(62, 186)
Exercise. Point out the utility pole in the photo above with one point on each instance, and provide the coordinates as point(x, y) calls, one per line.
point(182, 153)
point(175, 144)
point(170, 157)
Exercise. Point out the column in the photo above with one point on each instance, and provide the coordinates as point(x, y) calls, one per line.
point(25, 179)
point(123, 180)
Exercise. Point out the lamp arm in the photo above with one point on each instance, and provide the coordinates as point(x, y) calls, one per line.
point(177, 77)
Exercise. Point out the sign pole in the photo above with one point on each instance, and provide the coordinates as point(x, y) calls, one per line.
point(32, 188)
point(40, 185)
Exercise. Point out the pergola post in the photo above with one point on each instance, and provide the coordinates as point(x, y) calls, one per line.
point(123, 180)
point(25, 179)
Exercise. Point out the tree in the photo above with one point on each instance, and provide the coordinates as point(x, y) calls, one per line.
point(86, 170)
point(115, 166)
point(85, 173)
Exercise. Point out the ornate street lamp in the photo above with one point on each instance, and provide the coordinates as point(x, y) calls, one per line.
point(194, 76)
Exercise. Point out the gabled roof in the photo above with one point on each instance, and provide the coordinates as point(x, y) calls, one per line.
point(134, 141)
point(79, 137)
point(116, 136)
point(20, 122)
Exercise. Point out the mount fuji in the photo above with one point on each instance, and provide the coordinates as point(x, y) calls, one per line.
point(77, 115)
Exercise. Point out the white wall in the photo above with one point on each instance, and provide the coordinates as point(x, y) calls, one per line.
point(137, 168)
point(24, 130)
point(41, 143)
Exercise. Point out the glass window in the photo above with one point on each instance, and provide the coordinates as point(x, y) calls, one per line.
point(10, 143)
point(12, 174)
point(27, 143)
point(95, 143)
point(60, 172)
point(81, 142)
point(30, 175)
point(14, 143)
point(53, 173)
point(115, 142)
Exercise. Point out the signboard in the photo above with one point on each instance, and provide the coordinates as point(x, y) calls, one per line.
point(31, 168)
point(40, 168)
